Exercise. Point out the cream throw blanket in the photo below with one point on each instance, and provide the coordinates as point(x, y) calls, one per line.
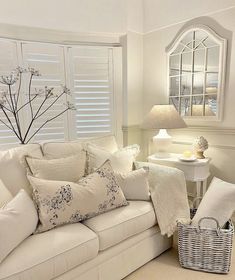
point(169, 196)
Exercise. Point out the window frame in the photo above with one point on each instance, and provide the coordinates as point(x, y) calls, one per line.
point(222, 42)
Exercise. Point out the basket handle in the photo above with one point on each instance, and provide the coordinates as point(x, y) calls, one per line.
point(195, 200)
point(213, 219)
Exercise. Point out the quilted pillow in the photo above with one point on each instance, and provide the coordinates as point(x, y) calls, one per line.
point(121, 160)
point(61, 202)
point(62, 169)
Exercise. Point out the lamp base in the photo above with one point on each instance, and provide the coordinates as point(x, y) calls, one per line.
point(162, 140)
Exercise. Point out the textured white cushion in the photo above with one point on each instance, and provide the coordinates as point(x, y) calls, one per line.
point(106, 142)
point(53, 150)
point(47, 255)
point(5, 195)
point(12, 172)
point(70, 168)
point(61, 202)
point(122, 160)
point(117, 225)
point(18, 220)
point(135, 184)
point(218, 202)
point(63, 149)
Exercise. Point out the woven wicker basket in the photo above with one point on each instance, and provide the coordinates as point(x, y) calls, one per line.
point(205, 249)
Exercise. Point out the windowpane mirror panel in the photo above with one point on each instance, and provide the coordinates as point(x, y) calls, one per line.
point(174, 65)
point(184, 106)
point(186, 82)
point(198, 82)
point(199, 60)
point(186, 62)
point(174, 86)
point(175, 101)
point(213, 59)
point(211, 82)
point(196, 64)
point(210, 105)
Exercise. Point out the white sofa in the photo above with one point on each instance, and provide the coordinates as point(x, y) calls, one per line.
point(107, 247)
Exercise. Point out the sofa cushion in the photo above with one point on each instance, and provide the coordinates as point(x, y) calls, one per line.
point(121, 160)
point(50, 254)
point(61, 202)
point(71, 168)
point(5, 195)
point(117, 225)
point(12, 171)
point(134, 184)
point(63, 149)
point(18, 220)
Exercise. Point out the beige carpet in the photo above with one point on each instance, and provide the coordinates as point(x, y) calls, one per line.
point(166, 267)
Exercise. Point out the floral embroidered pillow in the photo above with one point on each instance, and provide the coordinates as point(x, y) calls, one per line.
point(60, 202)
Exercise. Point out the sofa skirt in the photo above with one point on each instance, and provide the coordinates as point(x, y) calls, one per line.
point(122, 259)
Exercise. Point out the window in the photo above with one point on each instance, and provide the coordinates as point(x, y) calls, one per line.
point(92, 84)
point(89, 72)
point(196, 69)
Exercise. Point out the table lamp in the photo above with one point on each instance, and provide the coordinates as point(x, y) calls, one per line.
point(163, 117)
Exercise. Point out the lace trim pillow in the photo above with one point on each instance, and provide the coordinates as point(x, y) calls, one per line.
point(122, 160)
point(60, 203)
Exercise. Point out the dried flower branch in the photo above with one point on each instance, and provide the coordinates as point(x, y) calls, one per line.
point(9, 103)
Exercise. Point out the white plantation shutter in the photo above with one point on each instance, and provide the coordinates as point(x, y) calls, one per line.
point(91, 72)
point(92, 86)
point(49, 60)
point(8, 61)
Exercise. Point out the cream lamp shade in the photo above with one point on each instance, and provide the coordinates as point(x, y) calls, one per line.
point(163, 117)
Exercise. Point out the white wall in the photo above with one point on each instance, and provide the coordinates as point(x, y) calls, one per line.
point(105, 16)
point(161, 13)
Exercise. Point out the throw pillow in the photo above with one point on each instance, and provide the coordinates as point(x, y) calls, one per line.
point(218, 202)
point(135, 184)
point(64, 149)
point(122, 160)
point(18, 220)
point(63, 169)
point(5, 195)
point(12, 172)
point(60, 202)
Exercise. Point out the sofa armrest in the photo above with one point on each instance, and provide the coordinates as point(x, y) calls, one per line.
point(155, 170)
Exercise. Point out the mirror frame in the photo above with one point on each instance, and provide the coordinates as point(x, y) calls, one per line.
point(222, 42)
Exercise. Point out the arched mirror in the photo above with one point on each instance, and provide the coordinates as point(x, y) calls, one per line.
point(196, 63)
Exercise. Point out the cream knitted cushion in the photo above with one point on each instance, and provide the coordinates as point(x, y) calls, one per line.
point(218, 202)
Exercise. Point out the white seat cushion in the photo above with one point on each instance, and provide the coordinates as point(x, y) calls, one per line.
point(119, 224)
point(50, 254)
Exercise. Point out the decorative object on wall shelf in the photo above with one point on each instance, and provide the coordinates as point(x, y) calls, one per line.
point(200, 145)
point(163, 117)
point(19, 95)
